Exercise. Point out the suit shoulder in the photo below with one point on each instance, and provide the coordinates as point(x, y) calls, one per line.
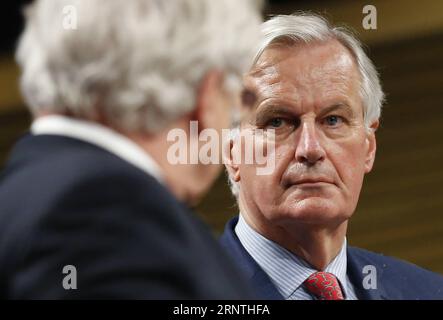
point(66, 175)
point(397, 270)
point(58, 162)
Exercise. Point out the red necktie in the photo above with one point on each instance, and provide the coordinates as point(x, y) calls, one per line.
point(324, 286)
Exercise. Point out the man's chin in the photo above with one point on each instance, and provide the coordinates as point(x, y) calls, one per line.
point(313, 210)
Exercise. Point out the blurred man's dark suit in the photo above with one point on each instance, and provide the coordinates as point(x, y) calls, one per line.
point(64, 201)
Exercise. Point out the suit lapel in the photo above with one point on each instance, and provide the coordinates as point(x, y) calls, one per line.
point(355, 267)
point(260, 281)
point(264, 287)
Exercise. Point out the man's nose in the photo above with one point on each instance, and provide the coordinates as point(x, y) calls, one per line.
point(309, 149)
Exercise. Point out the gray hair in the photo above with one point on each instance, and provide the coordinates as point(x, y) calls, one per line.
point(139, 61)
point(304, 28)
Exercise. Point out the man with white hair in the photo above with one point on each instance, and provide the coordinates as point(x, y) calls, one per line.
point(90, 207)
point(315, 89)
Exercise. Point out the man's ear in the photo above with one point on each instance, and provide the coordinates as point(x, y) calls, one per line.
point(371, 143)
point(208, 99)
point(230, 158)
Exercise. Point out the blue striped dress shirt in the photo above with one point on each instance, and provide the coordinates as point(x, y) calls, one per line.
point(286, 270)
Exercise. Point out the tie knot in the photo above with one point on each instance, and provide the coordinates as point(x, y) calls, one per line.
point(324, 286)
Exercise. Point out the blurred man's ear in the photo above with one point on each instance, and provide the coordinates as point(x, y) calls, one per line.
point(212, 102)
point(371, 144)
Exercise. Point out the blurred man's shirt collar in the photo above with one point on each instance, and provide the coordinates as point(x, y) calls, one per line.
point(286, 270)
point(99, 136)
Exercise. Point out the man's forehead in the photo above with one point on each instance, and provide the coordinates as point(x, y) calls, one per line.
point(321, 67)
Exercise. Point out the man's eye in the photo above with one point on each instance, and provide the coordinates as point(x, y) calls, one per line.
point(276, 122)
point(333, 120)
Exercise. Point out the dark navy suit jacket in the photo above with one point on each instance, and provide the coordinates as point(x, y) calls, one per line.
point(395, 279)
point(67, 202)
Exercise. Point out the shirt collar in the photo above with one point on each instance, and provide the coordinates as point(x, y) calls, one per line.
point(100, 136)
point(286, 270)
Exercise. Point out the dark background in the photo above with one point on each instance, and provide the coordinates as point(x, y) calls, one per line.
point(400, 212)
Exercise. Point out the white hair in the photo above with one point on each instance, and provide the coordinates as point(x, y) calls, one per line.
point(303, 28)
point(140, 62)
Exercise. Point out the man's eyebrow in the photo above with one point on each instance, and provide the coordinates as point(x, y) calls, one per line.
point(278, 109)
point(338, 106)
point(264, 113)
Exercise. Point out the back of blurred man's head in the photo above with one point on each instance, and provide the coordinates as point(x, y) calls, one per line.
point(137, 66)
point(139, 61)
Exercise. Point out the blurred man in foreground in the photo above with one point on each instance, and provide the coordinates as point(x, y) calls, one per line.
point(89, 193)
point(315, 88)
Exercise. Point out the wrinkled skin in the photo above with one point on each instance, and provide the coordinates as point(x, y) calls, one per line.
point(310, 96)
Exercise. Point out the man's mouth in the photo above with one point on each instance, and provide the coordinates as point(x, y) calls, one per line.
point(310, 182)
